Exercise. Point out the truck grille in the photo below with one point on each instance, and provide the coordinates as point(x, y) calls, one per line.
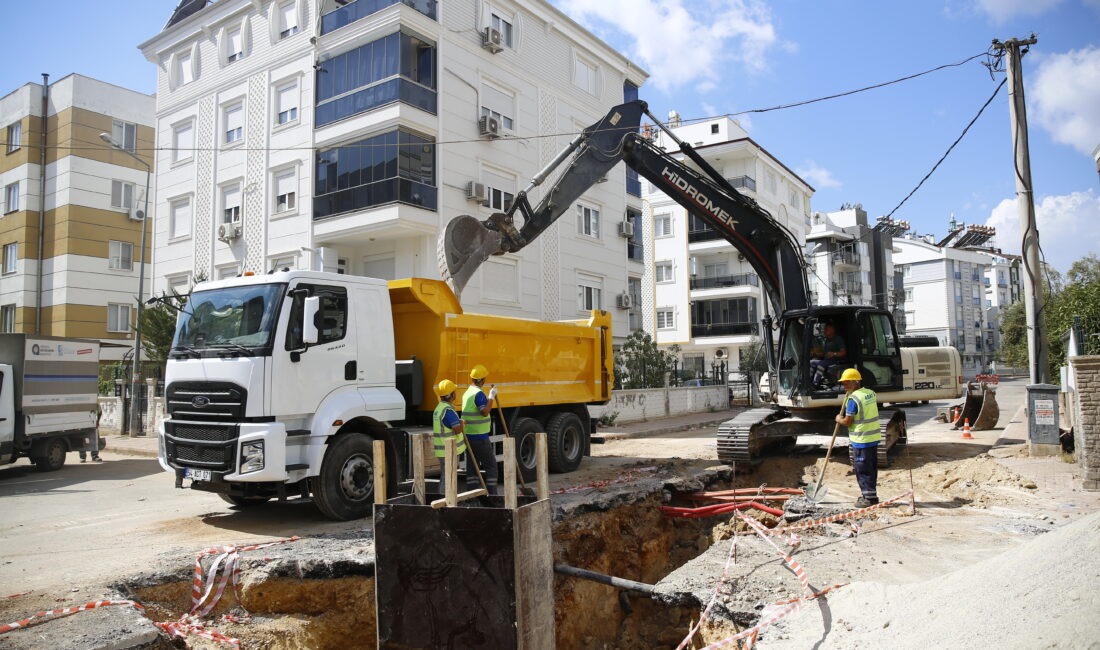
point(209, 401)
point(205, 446)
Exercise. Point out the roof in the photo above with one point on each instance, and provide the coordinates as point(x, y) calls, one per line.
point(185, 9)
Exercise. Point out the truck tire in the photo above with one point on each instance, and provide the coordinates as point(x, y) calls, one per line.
point(344, 490)
point(244, 502)
point(53, 458)
point(564, 442)
point(524, 432)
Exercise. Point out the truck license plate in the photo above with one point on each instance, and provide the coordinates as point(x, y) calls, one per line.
point(197, 474)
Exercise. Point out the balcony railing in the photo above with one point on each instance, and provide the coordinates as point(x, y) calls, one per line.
point(723, 281)
point(391, 190)
point(845, 257)
point(725, 329)
point(358, 9)
point(742, 183)
point(704, 234)
point(848, 288)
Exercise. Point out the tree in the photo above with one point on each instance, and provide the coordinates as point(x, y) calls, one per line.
point(158, 326)
point(754, 357)
point(640, 363)
point(1014, 335)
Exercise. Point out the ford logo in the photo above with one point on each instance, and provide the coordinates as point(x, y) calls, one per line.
point(200, 401)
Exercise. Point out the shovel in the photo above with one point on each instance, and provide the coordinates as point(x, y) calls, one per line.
point(524, 490)
point(819, 491)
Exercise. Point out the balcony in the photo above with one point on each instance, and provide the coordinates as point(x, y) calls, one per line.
point(634, 251)
point(725, 329)
point(633, 183)
point(704, 234)
point(845, 258)
point(724, 281)
point(848, 288)
point(392, 190)
point(359, 9)
point(742, 183)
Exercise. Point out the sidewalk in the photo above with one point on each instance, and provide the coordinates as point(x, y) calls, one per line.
point(660, 426)
point(142, 446)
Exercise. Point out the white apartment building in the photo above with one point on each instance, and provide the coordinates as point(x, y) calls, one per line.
point(707, 299)
point(345, 135)
point(955, 292)
point(71, 241)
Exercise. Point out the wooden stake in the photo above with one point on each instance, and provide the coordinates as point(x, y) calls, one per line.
point(450, 466)
point(541, 463)
point(472, 494)
point(379, 471)
point(419, 489)
point(510, 500)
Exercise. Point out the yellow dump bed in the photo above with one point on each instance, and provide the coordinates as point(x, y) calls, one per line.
point(531, 362)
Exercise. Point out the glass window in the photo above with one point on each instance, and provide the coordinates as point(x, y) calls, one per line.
point(878, 336)
point(286, 190)
point(11, 256)
point(286, 103)
point(15, 136)
point(663, 272)
point(231, 204)
point(499, 105)
point(121, 256)
point(503, 24)
point(234, 48)
point(584, 75)
point(346, 12)
point(233, 118)
point(183, 70)
point(11, 197)
point(125, 134)
point(589, 295)
point(7, 319)
point(333, 315)
point(634, 248)
point(630, 91)
point(588, 221)
point(179, 219)
point(183, 141)
point(666, 319)
point(288, 19)
point(118, 317)
point(122, 195)
point(397, 166)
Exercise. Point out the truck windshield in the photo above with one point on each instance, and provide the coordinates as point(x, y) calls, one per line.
point(233, 317)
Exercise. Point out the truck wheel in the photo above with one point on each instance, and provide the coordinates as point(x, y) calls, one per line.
point(564, 442)
point(54, 457)
point(524, 432)
point(345, 488)
point(244, 502)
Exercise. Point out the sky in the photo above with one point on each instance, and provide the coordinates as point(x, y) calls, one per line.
point(722, 57)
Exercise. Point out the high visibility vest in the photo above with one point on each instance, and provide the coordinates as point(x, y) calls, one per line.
point(865, 427)
point(441, 432)
point(476, 423)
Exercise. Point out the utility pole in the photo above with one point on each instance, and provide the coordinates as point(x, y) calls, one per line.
point(1025, 204)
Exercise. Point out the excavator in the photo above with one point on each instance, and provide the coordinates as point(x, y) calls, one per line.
point(797, 404)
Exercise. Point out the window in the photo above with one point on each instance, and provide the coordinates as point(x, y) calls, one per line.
point(908, 295)
point(183, 141)
point(499, 190)
point(588, 221)
point(125, 134)
point(11, 256)
point(11, 197)
point(15, 136)
point(662, 225)
point(634, 249)
point(286, 190)
point(502, 24)
point(666, 319)
point(286, 103)
point(120, 256)
point(958, 294)
point(663, 272)
point(280, 262)
point(906, 271)
point(233, 117)
point(184, 72)
point(7, 319)
point(234, 47)
point(118, 317)
point(589, 294)
point(714, 129)
point(179, 219)
point(332, 316)
point(122, 195)
point(226, 272)
point(231, 204)
point(288, 19)
point(584, 75)
point(910, 318)
point(397, 166)
point(179, 285)
point(499, 105)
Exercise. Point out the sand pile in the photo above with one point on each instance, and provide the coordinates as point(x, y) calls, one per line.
point(1045, 594)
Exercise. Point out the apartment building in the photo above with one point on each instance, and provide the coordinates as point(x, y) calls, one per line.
point(72, 237)
point(345, 135)
point(955, 289)
point(707, 299)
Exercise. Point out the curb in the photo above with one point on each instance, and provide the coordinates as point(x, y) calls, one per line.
point(612, 434)
point(125, 446)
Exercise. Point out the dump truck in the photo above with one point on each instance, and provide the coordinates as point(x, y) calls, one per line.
point(278, 384)
point(49, 390)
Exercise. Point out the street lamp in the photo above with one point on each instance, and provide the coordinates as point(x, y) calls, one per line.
point(136, 375)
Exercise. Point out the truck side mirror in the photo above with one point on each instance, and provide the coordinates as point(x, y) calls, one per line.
point(310, 332)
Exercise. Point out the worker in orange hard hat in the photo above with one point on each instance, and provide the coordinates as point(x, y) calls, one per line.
point(476, 407)
point(864, 436)
point(446, 424)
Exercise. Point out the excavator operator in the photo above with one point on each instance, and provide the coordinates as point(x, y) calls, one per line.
point(831, 352)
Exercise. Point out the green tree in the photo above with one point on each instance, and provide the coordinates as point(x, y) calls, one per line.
point(754, 357)
point(641, 363)
point(1014, 335)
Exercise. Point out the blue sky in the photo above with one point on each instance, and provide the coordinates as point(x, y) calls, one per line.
point(713, 57)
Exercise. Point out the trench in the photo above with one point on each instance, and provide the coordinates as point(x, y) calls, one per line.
point(634, 541)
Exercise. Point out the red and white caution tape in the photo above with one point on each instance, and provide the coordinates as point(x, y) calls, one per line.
point(851, 514)
point(52, 614)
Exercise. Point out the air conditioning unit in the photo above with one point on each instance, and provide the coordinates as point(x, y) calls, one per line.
point(491, 40)
point(489, 127)
point(721, 353)
point(626, 229)
point(475, 191)
point(625, 301)
point(229, 231)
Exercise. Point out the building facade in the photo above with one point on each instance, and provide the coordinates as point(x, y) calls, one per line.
point(345, 135)
point(72, 239)
point(707, 299)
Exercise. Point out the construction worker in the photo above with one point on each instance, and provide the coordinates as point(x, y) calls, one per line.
point(446, 424)
point(475, 413)
point(861, 418)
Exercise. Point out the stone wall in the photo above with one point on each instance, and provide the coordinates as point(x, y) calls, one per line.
point(652, 403)
point(1086, 433)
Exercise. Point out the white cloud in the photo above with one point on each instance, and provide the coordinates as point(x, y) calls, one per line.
point(1003, 10)
point(1068, 224)
point(1066, 96)
point(817, 175)
point(683, 42)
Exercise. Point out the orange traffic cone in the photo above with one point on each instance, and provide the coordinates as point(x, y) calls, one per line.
point(956, 418)
point(966, 430)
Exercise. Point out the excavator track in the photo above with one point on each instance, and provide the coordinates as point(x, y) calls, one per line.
point(736, 443)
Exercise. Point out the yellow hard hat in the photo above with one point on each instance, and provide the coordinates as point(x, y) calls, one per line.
point(445, 387)
point(479, 372)
point(850, 374)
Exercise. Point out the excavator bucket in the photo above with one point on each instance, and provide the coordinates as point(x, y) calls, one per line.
point(463, 245)
point(980, 408)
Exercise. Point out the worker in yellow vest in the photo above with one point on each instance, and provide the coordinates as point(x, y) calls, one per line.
point(861, 418)
point(446, 424)
point(476, 407)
